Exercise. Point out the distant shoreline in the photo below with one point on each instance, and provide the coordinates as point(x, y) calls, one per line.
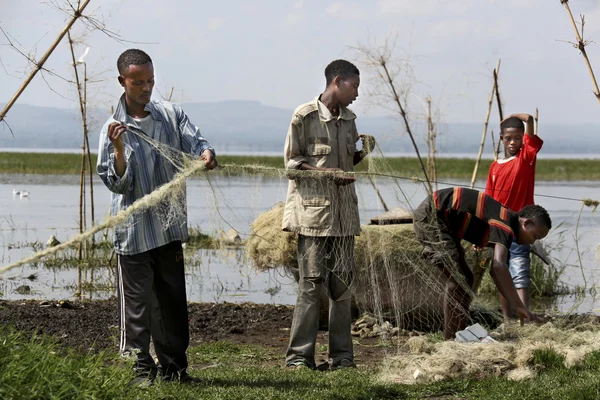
point(278, 153)
point(564, 169)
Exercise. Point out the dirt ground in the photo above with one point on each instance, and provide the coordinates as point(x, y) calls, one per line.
point(94, 325)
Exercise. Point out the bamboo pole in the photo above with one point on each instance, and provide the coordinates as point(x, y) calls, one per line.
point(385, 207)
point(81, 191)
point(485, 127)
point(43, 60)
point(82, 171)
point(82, 95)
point(581, 47)
point(87, 144)
point(431, 149)
point(499, 112)
point(383, 64)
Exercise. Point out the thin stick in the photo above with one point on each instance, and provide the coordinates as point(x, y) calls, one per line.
point(87, 145)
point(44, 58)
point(383, 63)
point(83, 149)
point(431, 149)
point(537, 115)
point(499, 111)
point(385, 207)
point(581, 47)
point(493, 142)
point(81, 190)
point(485, 127)
point(170, 93)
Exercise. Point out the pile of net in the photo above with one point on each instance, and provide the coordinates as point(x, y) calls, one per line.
point(421, 359)
point(392, 280)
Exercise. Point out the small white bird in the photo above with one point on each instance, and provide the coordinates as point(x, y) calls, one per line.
point(16, 192)
point(85, 53)
point(24, 193)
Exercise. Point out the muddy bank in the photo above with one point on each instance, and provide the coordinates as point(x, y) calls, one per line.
point(93, 325)
point(85, 326)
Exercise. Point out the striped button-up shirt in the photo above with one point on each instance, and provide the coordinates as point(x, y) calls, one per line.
point(146, 170)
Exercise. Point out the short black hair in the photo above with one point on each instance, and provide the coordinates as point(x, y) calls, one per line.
point(537, 214)
point(132, 57)
point(512, 122)
point(342, 68)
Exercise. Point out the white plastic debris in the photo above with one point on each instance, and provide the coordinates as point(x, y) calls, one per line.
point(417, 374)
point(474, 334)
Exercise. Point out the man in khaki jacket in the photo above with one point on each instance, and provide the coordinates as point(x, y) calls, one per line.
point(322, 207)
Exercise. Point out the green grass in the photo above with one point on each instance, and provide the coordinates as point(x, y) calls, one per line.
point(36, 368)
point(448, 168)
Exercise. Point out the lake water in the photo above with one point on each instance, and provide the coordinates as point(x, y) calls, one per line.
point(52, 208)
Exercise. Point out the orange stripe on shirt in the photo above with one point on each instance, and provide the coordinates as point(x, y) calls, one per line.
point(464, 225)
point(485, 238)
point(501, 225)
point(456, 198)
point(503, 213)
point(480, 205)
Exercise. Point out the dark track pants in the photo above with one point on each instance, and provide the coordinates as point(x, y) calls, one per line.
point(152, 302)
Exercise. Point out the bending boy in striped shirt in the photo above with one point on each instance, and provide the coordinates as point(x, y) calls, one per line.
point(452, 214)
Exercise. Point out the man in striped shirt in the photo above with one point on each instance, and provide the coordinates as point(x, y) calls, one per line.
point(450, 215)
point(151, 280)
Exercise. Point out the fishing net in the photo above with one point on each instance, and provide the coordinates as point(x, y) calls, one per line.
point(392, 282)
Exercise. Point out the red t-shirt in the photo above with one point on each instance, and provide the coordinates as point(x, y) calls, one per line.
point(511, 180)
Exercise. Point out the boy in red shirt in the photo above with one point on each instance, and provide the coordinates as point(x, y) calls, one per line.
point(511, 181)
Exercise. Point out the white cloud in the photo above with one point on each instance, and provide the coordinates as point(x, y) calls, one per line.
point(342, 10)
point(423, 7)
point(526, 3)
point(214, 24)
point(297, 13)
point(450, 29)
point(592, 24)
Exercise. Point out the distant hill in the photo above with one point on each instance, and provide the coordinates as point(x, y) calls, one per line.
point(249, 126)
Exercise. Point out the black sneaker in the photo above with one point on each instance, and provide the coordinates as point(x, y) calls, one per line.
point(187, 379)
point(299, 364)
point(343, 364)
point(182, 377)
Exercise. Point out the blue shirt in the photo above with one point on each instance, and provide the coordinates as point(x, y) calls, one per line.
point(146, 170)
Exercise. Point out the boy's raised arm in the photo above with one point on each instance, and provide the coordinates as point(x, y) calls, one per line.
point(528, 120)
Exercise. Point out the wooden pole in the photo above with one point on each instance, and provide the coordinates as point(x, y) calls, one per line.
point(44, 58)
point(170, 93)
point(535, 128)
point(383, 64)
point(499, 112)
point(87, 144)
point(385, 207)
point(84, 149)
point(581, 47)
point(485, 126)
point(431, 150)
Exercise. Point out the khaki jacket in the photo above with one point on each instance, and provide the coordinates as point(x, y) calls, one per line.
point(316, 206)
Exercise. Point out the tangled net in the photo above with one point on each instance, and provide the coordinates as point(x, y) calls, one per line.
point(392, 280)
point(513, 355)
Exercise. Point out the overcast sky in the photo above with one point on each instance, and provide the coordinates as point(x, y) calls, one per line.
point(274, 51)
